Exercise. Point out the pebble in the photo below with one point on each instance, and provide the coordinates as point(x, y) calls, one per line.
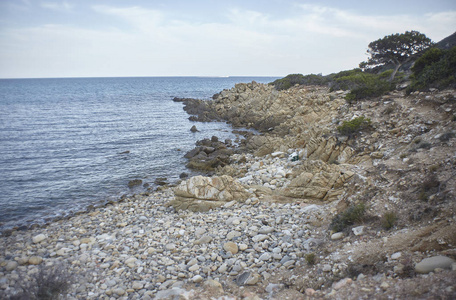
point(35, 260)
point(359, 230)
point(11, 265)
point(39, 238)
point(337, 236)
point(197, 278)
point(265, 256)
point(231, 247)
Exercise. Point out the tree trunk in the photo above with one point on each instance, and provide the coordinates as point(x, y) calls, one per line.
point(394, 72)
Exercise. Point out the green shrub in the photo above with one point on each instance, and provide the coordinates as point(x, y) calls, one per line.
point(429, 57)
point(310, 258)
point(369, 90)
point(292, 79)
point(389, 220)
point(351, 127)
point(436, 68)
point(350, 216)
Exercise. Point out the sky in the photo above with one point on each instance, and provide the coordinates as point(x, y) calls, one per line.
point(101, 38)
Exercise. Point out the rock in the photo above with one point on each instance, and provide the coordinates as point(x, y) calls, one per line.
point(205, 239)
point(197, 279)
point(193, 129)
point(326, 268)
point(265, 256)
point(337, 236)
point(243, 247)
point(134, 182)
point(183, 175)
point(174, 293)
point(266, 229)
point(396, 255)
point(39, 238)
point(11, 265)
point(213, 284)
point(35, 260)
point(231, 247)
point(318, 181)
point(137, 285)
point(358, 230)
point(430, 264)
point(260, 237)
point(201, 193)
point(119, 291)
point(194, 268)
point(341, 283)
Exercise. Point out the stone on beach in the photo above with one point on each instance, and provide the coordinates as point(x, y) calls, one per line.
point(201, 193)
point(39, 238)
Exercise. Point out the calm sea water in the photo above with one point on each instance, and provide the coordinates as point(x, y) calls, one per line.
point(62, 141)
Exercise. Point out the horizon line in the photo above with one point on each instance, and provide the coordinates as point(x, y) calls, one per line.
point(164, 76)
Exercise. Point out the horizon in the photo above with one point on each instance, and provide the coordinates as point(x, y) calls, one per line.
point(158, 76)
point(83, 39)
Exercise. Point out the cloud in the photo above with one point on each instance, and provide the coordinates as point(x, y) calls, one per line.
point(58, 6)
point(135, 41)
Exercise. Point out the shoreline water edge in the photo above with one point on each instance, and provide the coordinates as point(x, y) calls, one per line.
point(270, 215)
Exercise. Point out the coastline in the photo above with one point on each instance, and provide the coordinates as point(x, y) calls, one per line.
point(140, 248)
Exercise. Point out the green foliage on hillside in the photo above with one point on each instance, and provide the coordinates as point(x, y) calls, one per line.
point(350, 216)
point(351, 127)
point(293, 79)
point(436, 68)
point(361, 84)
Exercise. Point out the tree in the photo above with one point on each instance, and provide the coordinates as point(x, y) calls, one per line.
point(396, 49)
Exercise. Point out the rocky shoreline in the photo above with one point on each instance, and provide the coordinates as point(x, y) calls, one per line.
point(264, 225)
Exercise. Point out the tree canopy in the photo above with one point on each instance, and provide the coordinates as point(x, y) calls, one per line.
point(395, 49)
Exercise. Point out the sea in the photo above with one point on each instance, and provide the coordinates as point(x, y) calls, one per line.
point(67, 144)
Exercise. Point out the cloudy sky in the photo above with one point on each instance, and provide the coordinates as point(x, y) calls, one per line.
point(98, 38)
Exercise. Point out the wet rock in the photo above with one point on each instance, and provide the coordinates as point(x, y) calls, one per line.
point(194, 129)
point(135, 182)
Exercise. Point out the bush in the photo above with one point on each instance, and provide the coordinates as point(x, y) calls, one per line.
point(310, 258)
point(292, 79)
point(436, 68)
point(389, 220)
point(349, 128)
point(429, 57)
point(49, 283)
point(348, 217)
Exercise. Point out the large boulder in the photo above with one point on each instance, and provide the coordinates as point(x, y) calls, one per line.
point(201, 193)
point(318, 181)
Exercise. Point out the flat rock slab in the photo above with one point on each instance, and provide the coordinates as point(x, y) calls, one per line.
point(430, 264)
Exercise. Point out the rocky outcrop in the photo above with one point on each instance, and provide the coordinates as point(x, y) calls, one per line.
point(201, 193)
point(209, 154)
point(317, 181)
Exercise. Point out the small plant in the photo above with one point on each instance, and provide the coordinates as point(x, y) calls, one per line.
point(424, 145)
point(349, 128)
point(348, 217)
point(49, 283)
point(446, 136)
point(422, 196)
point(310, 258)
point(389, 220)
point(434, 168)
